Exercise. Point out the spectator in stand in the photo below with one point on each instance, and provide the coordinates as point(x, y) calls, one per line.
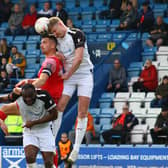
point(60, 12)
point(148, 80)
point(64, 149)
point(4, 49)
point(117, 78)
point(161, 94)
point(18, 61)
point(5, 10)
point(161, 126)
point(128, 18)
point(158, 33)
point(69, 23)
point(113, 11)
point(125, 2)
point(4, 81)
point(23, 5)
point(46, 11)
point(15, 21)
point(90, 130)
point(3, 64)
point(29, 21)
point(121, 126)
point(145, 18)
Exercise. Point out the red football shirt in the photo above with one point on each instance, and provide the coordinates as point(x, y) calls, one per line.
point(54, 84)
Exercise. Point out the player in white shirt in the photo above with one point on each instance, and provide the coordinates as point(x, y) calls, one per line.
point(78, 75)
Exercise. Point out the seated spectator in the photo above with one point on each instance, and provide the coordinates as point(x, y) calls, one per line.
point(64, 149)
point(161, 126)
point(15, 22)
point(60, 12)
point(121, 126)
point(161, 94)
point(148, 80)
point(4, 81)
point(29, 21)
point(125, 2)
point(113, 11)
point(3, 64)
point(46, 11)
point(18, 61)
point(5, 10)
point(4, 49)
point(90, 131)
point(69, 23)
point(158, 33)
point(128, 18)
point(117, 78)
point(145, 18)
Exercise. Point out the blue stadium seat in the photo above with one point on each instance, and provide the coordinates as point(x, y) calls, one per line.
point(77, 23)
point(104, 37)
point(87, 29)
point(105, 119)
point(87, 15)
point(29, 75)
point(33, 52)
point(133, 72)
point(9, 39)
point(136, 65)
point(110, 111)
point(98, 3)
point(23, 52)
point(92, 37)
point(105, 105)
point(31, 46)
point(34, 38)
point(166, 20)
point(70, 4)
point(94, 111)
point(84, 3)
point(4, 25)
point(74, 13)
point(19, 45)
point(108, 95)
point(20, 38)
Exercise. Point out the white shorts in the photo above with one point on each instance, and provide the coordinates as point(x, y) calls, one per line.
point(83, 84)
point(41, 138)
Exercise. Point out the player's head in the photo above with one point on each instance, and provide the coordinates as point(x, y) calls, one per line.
point(57, 27)
point(48, 44)
point(29, 94)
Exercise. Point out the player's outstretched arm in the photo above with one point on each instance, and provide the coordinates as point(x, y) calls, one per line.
point(23, 82)
point(50, 117)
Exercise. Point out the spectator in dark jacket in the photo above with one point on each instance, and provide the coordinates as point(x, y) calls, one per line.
point(128, 18)
point(46, 11)
point(145, 18)
point(4, 81)
point(148, 80)
point(60, 12)
point(114, 10)
point(161, 126)
point(15, 22)
point(29, 21)
point(158, 33)
point(5, 10)
point(121, 126)
point(161, 94)
point(117, 78)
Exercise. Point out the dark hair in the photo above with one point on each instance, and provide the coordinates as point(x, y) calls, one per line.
point(14, 47)
point(129, 3)
point(51, 37)
point(146, 3)
point(165, 77)
point(28, 86)
point(164, 108)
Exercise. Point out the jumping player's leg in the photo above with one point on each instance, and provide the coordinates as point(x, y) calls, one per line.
point(31, 154)
point(48, 159)
point(83, 106)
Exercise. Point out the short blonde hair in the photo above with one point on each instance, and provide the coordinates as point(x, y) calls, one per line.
point(53, 21)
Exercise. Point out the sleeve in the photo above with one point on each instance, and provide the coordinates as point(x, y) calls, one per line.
point(49, 102)
point(13, 97)
point(79, 39)
point(49, 66)
point(152, 76)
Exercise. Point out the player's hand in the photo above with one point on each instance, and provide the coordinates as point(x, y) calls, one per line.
point(28, 124)
point(65, 76)
point(17, 90)
point(4, 127)
point(23, 82)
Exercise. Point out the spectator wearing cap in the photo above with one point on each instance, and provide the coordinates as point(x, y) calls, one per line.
point(121, 126)
point(29, 21)
point(117, 78)
point(46, 11)
point(128, 18)
point(60, 12)
point(15, 21)
point(158, 33)
point(148, 80)
point(161, 94)
point(161, 126)
point(145, 18)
